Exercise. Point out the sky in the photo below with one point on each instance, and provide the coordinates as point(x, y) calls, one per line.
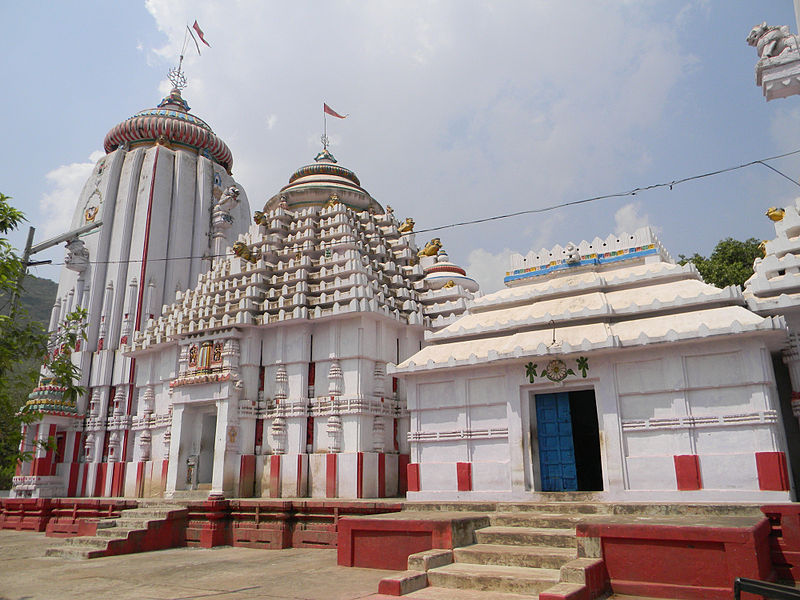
point(457, 110)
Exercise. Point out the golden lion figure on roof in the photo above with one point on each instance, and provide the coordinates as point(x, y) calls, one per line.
point(431, 248)
point(406, 226)
point(242, 250)
point(260, 218)
point(775, 214)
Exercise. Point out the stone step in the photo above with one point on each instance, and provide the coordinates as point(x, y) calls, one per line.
point(681, 509)
point(542, 557)
point(527, 536)
point(116, 533)
point(161, 503)
point(588, 503)
point(190, 495)
point(135, 523)
point(438, 593)
point(533, 519)
point(87, 541)
point(74, 552)
point(481, 507)
point(563, 508)
point(148, 513)
point(516, 580)
point(631, 508)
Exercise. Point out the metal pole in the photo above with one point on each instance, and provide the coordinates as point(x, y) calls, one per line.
point(30, 249)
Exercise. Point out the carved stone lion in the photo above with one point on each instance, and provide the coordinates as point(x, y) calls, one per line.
point(229, 197)
point(406, 226)
point(259, 218)
point(77, 258)
point(770, 41)
point(431, 248)
point(242, 250)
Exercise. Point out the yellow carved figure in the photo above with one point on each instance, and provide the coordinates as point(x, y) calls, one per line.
point(241, 249)
point(450, 283)
point(333, 200)
point(763, 247)
point(406, 226)
point(431, 248)
point(259, 218)
point(775, 214)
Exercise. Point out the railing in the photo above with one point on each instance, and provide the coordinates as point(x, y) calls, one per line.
point(764, 588)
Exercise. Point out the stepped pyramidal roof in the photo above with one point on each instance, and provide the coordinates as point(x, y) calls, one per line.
point(620, 292)
point(310, 255)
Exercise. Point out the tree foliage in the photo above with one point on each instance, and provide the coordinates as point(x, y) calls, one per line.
point(21, 350)
point(731, 262)
point(24, 349)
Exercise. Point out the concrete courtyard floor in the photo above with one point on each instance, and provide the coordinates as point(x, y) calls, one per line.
point(224, 573)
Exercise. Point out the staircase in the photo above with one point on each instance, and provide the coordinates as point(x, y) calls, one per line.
point(153, 525)
point(529, 551)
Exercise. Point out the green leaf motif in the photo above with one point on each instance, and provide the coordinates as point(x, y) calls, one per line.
point(583, 365)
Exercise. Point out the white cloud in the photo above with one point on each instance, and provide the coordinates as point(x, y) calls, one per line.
point(456, 110)
point(66, 184)
point(628, 219)
point(488, 268)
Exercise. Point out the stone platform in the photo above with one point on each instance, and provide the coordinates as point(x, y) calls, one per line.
point(572, 550)
point(567, 550)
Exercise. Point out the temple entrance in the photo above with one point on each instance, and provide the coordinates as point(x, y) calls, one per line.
point(569, 441)
point(205, 467)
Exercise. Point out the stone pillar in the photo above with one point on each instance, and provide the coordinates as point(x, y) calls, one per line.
point(176, 473)
point(226, 448)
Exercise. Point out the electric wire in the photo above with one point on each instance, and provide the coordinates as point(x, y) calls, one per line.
point(530, 211)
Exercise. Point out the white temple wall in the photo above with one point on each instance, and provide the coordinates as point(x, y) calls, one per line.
point(352, 342)
point(712, 403)
point(181, 228)
point(357, 343)
point(120, 245)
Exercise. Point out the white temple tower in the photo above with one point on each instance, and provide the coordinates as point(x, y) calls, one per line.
point(168, 204)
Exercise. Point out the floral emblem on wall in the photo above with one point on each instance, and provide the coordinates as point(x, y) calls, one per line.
point(557, 370)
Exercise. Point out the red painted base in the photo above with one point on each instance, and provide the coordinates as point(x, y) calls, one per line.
point(79, 516)
point(784, 540)
point(274, 524)
point(159, 535)
point(668, 561)
point(386, 543)
point(58, 517)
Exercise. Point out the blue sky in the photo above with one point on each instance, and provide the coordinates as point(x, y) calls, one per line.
point(458, 110)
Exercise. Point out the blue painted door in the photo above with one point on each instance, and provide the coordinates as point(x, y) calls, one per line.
point(556, 448)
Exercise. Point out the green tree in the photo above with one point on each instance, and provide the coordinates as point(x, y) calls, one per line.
point(23, 349)
point(731, 262)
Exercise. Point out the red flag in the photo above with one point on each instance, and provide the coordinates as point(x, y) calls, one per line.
point(199, 31)
point(329, 111)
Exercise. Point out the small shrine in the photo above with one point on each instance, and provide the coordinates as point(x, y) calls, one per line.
point(602, 367)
